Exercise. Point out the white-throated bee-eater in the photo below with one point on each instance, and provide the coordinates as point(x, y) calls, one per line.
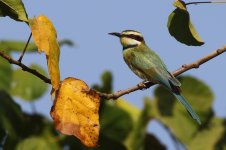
point(146, 64)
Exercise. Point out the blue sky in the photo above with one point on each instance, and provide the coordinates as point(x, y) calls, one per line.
point(87, 24)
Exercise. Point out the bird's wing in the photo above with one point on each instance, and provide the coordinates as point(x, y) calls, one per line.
point(174, 80)
point(153, 67)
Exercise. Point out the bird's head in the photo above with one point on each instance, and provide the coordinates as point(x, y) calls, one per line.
point(129, 38)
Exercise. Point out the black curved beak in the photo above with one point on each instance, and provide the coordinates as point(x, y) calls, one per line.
point(115, 34)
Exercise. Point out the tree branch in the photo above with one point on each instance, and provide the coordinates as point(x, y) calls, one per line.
point(184, 68)
point(24, 67)
point(206, 2)
point(140, 86)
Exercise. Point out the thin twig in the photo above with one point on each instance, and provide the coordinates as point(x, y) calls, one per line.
point(25, 48)
point(195, 3)
point(24, 67)
point(142, 85)
point(145, 85)
point(207, 2)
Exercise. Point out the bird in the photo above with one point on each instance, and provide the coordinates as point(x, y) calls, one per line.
point(147, 65)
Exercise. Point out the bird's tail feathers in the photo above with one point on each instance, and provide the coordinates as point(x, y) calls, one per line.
point(188, 107)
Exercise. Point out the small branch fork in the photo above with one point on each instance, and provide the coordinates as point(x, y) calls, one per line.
point(24, 67)
point(139, 86)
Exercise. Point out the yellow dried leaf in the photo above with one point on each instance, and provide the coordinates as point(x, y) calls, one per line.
point(75, 111)
point(45, 38)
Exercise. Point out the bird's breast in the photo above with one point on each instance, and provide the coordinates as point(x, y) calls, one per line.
point(129, 58)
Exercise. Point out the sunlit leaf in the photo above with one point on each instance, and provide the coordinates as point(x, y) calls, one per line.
point(43, 31)
point(208, 138)
point(14, 9)
point(171, 113)
point(180, 26)
point(26, 85)
point(38, 143)
point(199, 94)
point(75, 111)
point(136, 138)
point(45, 37)
point(176, 121)
point(115, 130)
point(129, 108)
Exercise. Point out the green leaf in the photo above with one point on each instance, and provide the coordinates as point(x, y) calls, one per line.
point(208, 137)
point(18, 46)
point(10, 116)
point(195, 91)
point(136, 138)
point(180, 26)
point(198, 94)
point(172, 113)
point(16, 125)
point(5, 74)
point(26, 85)
point(14, 9)
point(176, 121)
point(42, 125)
point(71, 143)
point(66, 42)
point(106, 83)
point(115, 122)
point(132, 110)
point(107, 143)
point(38, 143)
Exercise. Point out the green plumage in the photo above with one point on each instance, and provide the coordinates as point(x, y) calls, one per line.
point(147, 65)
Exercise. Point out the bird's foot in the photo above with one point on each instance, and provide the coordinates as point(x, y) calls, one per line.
point(144, 85)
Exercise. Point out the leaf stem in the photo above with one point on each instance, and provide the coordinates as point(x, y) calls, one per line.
point(25, 48)
point(206, 2)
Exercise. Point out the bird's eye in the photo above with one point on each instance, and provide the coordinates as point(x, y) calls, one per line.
point(135, 37)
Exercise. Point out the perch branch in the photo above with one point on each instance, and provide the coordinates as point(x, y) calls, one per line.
point(182, 69)
point(24, 67)
point(139, 86)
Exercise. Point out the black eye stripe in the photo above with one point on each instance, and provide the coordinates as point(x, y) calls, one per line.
point(135, 37)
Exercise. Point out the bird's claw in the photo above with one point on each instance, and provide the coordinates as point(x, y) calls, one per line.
point(144, 85)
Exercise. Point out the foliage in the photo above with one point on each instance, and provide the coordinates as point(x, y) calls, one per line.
point(122, 125)
point(180, 26)
point(75, 105)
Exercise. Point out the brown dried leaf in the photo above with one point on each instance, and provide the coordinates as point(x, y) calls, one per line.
point(45, 37)
point(75, 111)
